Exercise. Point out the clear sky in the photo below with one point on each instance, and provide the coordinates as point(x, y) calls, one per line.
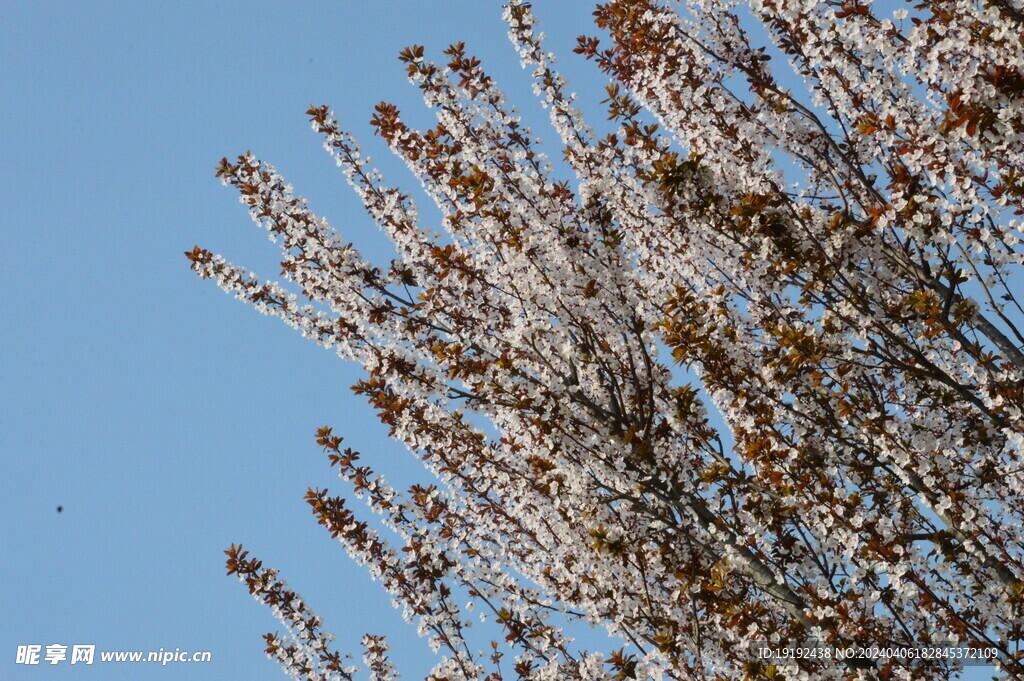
point(165, 418)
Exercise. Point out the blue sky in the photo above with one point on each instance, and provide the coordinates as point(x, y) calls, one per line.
point(166, 419)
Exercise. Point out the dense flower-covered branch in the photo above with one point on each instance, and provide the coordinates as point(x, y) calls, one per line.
point(838, 271)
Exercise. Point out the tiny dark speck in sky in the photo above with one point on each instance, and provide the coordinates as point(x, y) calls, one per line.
point(60, 509)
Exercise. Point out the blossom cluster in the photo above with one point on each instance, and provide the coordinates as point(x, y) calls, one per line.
point(834, 269)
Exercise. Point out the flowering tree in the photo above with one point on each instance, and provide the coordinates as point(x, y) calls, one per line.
point(835, 274)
